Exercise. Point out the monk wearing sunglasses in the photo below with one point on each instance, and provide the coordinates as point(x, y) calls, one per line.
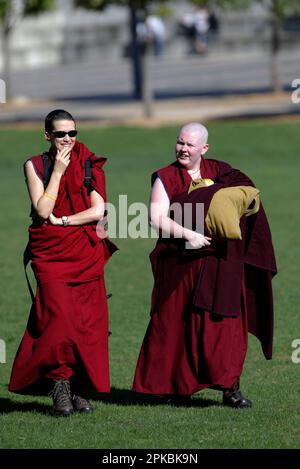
point(65, 346)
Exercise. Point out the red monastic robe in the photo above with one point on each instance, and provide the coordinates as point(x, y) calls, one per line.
point(204, 302)
point(67, 330)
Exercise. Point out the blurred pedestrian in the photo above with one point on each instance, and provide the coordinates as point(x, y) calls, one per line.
point(201, 25)
point(214, 24)
point(151, 33)
point(195, 27)
point(157, 33)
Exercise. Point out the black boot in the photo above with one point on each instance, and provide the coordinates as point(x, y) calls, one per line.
point(80, 404)
point(234, 398)
point(61, 395)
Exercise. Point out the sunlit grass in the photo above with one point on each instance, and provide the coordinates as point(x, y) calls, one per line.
point(269, 154)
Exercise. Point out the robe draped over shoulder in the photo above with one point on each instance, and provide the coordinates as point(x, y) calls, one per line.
point(219, 287)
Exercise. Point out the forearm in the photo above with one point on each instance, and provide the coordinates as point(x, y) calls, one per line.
point(169, 228)
point(93, 214)
point(46, 202)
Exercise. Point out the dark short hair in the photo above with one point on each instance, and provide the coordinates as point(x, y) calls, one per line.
point(57, 115)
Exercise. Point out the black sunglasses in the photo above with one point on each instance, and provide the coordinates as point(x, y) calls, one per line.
point(62, 133)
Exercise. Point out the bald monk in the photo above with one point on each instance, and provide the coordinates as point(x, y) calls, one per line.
point(65, 346)
point(210, 288)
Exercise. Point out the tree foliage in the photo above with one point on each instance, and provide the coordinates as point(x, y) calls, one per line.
point(280, 8)
point(283, 8)
point(31, 7)
point(224, 4)
point(101, 4)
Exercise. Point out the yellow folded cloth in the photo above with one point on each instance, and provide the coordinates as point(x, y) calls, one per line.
point(197, 183)
point(226, 208)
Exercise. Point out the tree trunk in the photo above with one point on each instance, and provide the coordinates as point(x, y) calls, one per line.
point(14, 14)
point(147, 88)
point(275, 46)
point(135, 55)
point(141, 67)
point(6, 74)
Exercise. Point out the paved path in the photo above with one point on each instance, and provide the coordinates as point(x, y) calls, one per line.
point(213, 74)
point(194, 88)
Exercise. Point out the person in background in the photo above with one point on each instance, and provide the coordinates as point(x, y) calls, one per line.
point(157, 33)
point(201, 25)
point(151, 33)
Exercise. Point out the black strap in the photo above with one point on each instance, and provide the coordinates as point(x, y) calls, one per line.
point(87, 172)
point(88, 175)
point(26, 259)
point(46, 163)
point(27, 252)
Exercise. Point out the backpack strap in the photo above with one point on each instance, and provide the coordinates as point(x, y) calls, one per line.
point(87, 172)
point(46, 164)
point(26, 260)
point(27, 252)
point(88, 175)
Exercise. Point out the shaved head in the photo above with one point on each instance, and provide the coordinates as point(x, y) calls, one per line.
point(196, 128)
point(191, 145)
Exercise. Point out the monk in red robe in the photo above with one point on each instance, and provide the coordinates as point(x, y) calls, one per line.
point(65, 344)
point(209, 290)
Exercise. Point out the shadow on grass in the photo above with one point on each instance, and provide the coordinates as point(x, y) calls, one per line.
point(8, 406)
point(126, 397)
point(122, 397)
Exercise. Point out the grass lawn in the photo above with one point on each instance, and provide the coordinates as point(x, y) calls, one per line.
point(269, 154)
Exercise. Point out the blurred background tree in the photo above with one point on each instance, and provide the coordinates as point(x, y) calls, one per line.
point(11, 12)
point(137, 9)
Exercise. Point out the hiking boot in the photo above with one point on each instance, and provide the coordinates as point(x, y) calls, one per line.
point(80, 404)
point(61, 395)
point(235, 399)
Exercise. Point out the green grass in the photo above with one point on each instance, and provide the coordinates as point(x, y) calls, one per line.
point(269, 154)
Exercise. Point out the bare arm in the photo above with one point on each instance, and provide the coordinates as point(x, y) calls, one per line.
point(42, 200)
point(160, 220)
point(92, 214)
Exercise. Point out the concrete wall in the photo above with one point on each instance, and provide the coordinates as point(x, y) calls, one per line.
point(67, 35)
point(62, 36)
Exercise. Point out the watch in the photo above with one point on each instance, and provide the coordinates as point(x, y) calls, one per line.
point(65, 220)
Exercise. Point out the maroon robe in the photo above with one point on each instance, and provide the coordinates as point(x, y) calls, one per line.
point(205, 301)
point(67, 330)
